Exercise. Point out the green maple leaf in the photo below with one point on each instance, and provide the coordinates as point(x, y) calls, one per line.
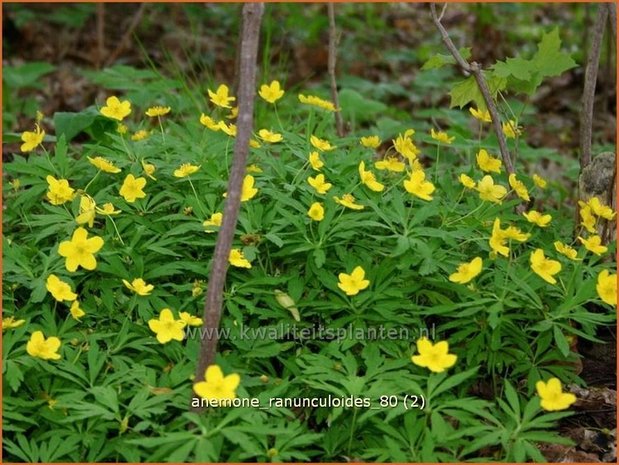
point(549, 60)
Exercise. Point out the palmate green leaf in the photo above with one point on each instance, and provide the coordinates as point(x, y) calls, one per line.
point(549, 60)
point(439, 60)
point(525, 75)
point(467, 91)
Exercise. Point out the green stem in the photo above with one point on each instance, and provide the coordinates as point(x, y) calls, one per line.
point(196, 196)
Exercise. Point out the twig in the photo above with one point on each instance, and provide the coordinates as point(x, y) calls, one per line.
point(135, 21)
point(475, 69)
point(252, 16)
point(339, 123)
point(588, 94)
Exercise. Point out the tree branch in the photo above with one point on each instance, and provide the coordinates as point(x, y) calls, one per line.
point(588, 94)
point(475, 69)
point(339, 123)
point(124, 41)
point(252, 16)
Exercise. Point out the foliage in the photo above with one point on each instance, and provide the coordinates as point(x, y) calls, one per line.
point(118, 394)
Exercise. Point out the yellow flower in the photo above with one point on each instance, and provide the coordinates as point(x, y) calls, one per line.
point(544, 267)
point(566, 250)
point(214, 221)
point(197, 289)
point(11, 323)
point(254, 169)
point(319, 183)
point(186, 169)
point(248, 191)
point(108, 209)
point(39, 347)
point(537, 218)
point(519, 187)
point(348, 201)
point(131, 190)
point(210, 123)
point(166, 327)
point(467, 271)
point(121, 129)
point(488, 163)
point(489, 191)
point(228, 129)
point(76, 311)
point(368, 178)
point(149, 169)
point(270, 137)
point(390, 164)
point(59, 289)
point(594, 244)
point(32, 139)
point(539, 181)
point(315, 161)
point(15, 184)
point(316, 211)
point(600, 209)
point(405, 146)
point(483, 116)
point(587, 218)
point(370, 142)
point(253, 143)
point(514, 233)
point(216, 386)
point(221, 97)
point(552, 396)
point(500, 236)
point(116, 109)
point(139, 286)
point(607, 287)
point(317, 102)
point(441, 137)
point(87, 211)
point(157, 111)
point(467, 181)
point(59, 191)
point(80, 250)
point(511, 129)
point(434, 357)
point(189, 319)
point(271, 92)
point(321, 144)
point(352, 283)
point(236, 258)
point(417, 185)
point(103, 165)
point(234, 112)
point(140, 135)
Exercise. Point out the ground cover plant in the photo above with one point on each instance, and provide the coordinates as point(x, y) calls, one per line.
point(394, 294)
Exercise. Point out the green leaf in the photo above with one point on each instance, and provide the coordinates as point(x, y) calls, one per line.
point(439, 60)
point(550, 60)
point(467, 91)
point(561, 340)
point(26, 75)
point(358, 107)
point(71, 124)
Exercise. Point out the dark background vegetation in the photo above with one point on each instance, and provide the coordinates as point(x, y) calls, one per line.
point(54, 56)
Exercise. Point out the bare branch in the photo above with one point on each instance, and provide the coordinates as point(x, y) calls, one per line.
point(462, 63)
point(252, 16)
point(475, 69)
point(124, 41)
point(588, 94)
point(339, 123)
